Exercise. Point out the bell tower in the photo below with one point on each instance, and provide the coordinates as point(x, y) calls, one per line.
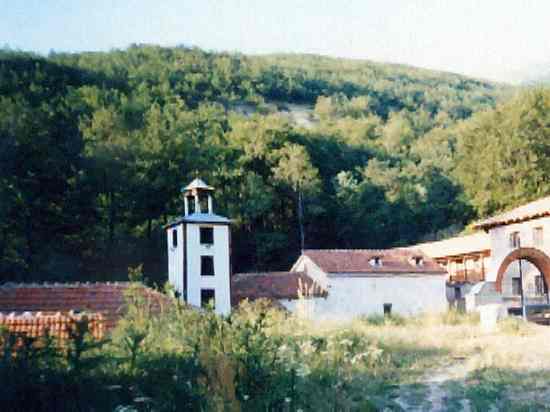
point(198, 251)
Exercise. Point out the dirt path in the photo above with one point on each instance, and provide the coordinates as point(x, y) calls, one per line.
point(431, 393)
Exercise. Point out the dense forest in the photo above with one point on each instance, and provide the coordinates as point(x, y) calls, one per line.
point(94, 148)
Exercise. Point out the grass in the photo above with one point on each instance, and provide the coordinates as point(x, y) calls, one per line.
point(263, 359)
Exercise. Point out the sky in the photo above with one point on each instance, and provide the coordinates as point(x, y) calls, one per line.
point(502, 40)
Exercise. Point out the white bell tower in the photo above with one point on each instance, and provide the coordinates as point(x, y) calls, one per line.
point(198, 251)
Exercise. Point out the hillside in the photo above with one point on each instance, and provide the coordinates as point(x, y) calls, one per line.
point(95, 146)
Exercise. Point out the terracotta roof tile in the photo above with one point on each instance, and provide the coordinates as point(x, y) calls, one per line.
point(361, 261)
point(270, 285)
point(59, 325)
point(107, 299)
point(531, 210)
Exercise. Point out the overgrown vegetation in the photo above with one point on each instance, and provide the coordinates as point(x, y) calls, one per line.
point(95, 146)
point(261, 358)
point(257, 359)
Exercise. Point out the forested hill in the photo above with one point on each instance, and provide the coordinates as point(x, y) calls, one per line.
point(94, 148)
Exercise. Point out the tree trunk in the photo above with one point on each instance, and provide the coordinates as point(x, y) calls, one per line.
point(301, 219)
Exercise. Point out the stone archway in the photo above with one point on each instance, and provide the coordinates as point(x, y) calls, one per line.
point(532, 255)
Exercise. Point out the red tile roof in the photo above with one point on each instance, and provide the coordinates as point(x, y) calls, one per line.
point(360, 261)
point(270, 285)
point(107, 299)
point(59, 325)
point(532, 210)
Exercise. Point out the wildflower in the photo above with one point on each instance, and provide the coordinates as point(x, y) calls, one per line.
point(246, 397)
point(346, 342)
point(287, 400)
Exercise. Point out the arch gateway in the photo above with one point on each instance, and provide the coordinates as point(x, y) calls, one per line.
point(519, 267)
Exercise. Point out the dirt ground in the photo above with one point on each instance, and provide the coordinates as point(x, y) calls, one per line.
point(507, 370)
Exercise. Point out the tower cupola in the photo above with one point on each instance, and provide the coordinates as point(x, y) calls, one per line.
point(199, 192)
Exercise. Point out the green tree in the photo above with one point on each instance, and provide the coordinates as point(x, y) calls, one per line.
point(294, 168)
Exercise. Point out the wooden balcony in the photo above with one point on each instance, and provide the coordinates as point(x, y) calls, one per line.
point(463, 276)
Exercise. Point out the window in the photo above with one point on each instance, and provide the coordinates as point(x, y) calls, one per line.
point(376, 261)
point(175, 238)
point(418, 261)
point(516, 286)
point(207, 265)
point(208, 297)
point(537, 236)
point(458, 294)
point(514, 240)
point(539, 285)
point(387, 309)
point(207, 235)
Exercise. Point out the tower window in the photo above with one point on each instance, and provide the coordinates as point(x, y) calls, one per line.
point(175, 238)
point(207, 235)
point(208, 297)
point(207, 265)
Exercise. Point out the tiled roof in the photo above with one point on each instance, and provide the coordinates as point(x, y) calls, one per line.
point(456, 246)
point(532, 210)
point(107, 299)
point(360, 261)
point(270, 285)
point(59, 325)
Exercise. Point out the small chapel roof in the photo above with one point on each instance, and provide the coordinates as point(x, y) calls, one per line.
point(531, 210)
point(373, 261)
point(197, 184)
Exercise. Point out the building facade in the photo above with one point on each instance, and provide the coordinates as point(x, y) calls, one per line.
point(199, 251)
point(368, 282)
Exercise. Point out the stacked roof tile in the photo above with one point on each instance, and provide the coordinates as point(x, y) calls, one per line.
point(106, 299)
point(59, 325)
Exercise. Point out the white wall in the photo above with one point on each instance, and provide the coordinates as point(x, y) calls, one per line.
point(349, 297)
point(220, 281)
point(175, 259)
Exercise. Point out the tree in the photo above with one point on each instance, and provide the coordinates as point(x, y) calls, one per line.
point(294, 168)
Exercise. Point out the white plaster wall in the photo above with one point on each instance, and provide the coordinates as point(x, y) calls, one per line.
point(175, 259)
point(349, 297)
point(500, 243)
point(220, 281)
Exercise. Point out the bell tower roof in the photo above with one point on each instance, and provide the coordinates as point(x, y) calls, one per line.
point(197, 185)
